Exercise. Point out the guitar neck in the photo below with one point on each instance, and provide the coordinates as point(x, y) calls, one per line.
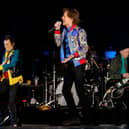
point(125, 80)
point(122, 82)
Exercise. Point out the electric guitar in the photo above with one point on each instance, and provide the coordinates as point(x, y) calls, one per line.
point(12, 80)
point(118, 89)
point(3, 76)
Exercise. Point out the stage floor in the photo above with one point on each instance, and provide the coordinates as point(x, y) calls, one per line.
point(33, 118)
point(32, 115)
point(40, 126)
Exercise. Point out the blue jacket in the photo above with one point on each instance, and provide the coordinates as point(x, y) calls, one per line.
point(77, 41)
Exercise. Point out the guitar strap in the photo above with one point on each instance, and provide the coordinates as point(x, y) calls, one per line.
point(6, 61)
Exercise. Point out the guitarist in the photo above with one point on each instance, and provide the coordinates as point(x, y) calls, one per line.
point(119, 69)
point(10, 79)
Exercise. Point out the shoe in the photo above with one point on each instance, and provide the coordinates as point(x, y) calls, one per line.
point(14, 125)
point(123, 126)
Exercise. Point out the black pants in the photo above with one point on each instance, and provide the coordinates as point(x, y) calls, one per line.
point(8, 99)
point(74, 74)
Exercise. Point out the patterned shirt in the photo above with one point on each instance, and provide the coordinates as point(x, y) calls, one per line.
point(77, 42)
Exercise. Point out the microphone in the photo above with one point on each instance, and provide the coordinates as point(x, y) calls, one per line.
point(57, 24)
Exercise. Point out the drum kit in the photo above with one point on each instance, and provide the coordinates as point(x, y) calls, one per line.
point(53, 93)
point(95, 86)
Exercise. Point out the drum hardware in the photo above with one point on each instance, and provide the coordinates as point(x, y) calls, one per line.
point(54, 85)
point(114, 93)
point(95, 81)
point(36, 80)
point(107, 101)
point(45, 100)
point(91, 63)
point(33, 99)
point(118, 87)
point(92, 91)
point(94, 62)
point(93, 96)
point(50, 96)
point(47, 106)
point(45, 97)
point(106, 79)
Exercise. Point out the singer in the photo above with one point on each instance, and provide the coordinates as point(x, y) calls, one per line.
point(73, 48)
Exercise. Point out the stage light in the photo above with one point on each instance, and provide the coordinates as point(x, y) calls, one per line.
point(110, 54)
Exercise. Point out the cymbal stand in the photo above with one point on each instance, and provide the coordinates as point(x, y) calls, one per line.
point(107, 77)
point(45, 88)
point(94, 90)
point(50, 103)
point(93, 96)
point(45, 99)
point(54, 84)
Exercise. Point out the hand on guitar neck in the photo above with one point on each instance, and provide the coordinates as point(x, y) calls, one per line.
point(118, 90)
point(125, 75)
point(122, 83)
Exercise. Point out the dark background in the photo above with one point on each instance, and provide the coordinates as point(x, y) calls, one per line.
point(29, 23)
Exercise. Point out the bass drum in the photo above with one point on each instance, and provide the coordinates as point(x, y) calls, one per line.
point(59, 95)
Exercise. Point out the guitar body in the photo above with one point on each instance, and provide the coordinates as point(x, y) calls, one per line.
point(117, 93)
point(12, 80)
point(119, 88)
